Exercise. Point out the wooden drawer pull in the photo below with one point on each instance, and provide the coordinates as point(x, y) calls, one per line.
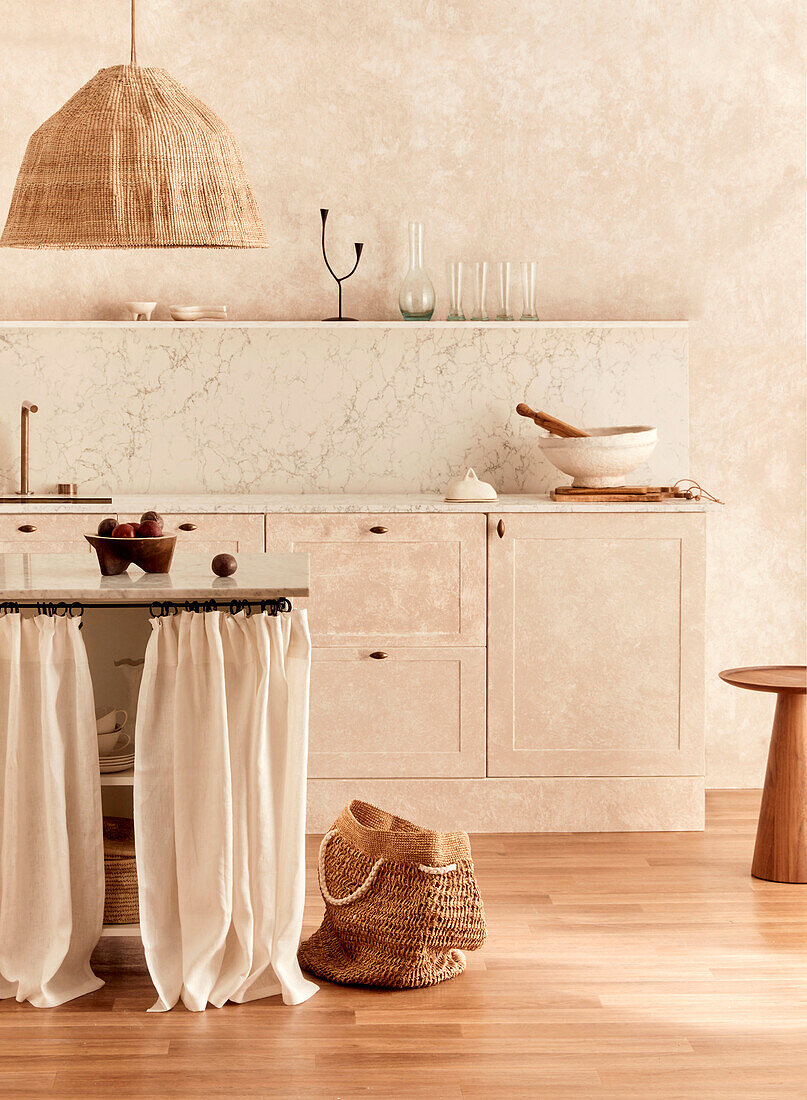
point(500, 528)
point(379, 530)
point(187, 526)
point(379, 655)
point(27, 528)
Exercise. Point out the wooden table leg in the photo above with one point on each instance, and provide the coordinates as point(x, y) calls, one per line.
point(780, 854)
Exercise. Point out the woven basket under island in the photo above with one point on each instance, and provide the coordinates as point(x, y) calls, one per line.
point(120, 872)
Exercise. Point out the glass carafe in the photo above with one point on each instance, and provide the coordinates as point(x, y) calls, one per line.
point(416, 300)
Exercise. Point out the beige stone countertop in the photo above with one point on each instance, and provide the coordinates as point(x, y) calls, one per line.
point(168, 502)
point(76, 577)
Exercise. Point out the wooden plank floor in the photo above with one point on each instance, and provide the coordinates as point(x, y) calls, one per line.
point(618, 965)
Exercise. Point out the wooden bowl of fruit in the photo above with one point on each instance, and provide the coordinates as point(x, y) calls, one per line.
point(119, 545)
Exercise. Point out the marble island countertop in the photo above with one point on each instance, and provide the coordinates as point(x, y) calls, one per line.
point(260, 503)
point(75, 577)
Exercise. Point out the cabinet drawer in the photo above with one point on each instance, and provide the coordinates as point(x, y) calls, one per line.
point(213, 533)
point(401, 579)
point(52, 534)
point(414, 712)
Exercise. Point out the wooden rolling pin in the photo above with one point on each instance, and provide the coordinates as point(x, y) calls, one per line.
point(549, 423)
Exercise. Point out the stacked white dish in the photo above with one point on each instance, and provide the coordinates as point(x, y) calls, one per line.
point(120, 757)
point(198, 313)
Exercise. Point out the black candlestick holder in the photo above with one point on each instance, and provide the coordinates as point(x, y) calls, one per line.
point(339, 279)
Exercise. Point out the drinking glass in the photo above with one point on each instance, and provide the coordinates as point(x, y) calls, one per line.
point(505, 272)
point(529, 290)
point(455, 273)
point(480, 291)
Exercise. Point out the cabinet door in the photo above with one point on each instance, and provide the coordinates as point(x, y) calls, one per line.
point(404, 580)
point(595, 645)
point(413, 712)
point(47, 533)
point(213, 532)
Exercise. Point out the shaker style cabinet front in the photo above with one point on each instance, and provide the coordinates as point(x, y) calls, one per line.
point(46, 533)
point(397, 712)
point(390, 579)
point(397, 616)
point(595, 644)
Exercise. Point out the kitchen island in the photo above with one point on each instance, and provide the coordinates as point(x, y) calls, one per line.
point(29, 580)
point(221, 728)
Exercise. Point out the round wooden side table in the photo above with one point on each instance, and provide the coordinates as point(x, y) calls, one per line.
point(780, 854)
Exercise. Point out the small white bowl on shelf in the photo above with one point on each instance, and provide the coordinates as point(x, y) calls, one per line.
point(140, 311)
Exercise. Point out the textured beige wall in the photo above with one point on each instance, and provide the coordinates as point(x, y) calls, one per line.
point(649, 154)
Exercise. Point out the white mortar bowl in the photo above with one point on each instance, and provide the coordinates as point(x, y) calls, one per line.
point(601, 459)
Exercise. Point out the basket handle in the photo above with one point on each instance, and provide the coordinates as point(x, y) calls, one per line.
point(357, 893)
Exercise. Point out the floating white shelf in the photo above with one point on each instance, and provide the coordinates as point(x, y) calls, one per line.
point(118, 779)
point(121, 930)
point(89, 324)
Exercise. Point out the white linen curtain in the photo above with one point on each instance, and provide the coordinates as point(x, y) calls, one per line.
point(219, 800)
point(51, 841)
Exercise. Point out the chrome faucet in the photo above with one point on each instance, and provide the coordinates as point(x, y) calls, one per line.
point(28, 407)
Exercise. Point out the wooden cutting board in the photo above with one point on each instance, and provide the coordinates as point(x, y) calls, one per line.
point(615, 494)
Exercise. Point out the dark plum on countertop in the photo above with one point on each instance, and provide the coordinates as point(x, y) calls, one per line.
point(224, 565)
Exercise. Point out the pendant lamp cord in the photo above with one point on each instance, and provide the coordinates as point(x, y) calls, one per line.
point(133, 55)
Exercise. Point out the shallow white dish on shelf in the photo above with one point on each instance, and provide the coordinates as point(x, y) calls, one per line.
point(199, 313)
point(120, 759)
point(117, 766)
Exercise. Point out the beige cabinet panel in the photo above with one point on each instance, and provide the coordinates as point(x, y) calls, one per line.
point(416, 712)
point(595, 645)
point(414, 580)
point(213, 532)
point(60, 533)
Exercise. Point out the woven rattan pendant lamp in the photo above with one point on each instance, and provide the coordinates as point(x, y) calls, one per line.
point(133, 160)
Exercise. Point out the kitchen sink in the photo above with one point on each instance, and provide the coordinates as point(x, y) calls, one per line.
point(68, 495)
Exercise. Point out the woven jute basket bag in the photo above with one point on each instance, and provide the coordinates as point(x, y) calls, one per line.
point(401, 903)
point(120, 872)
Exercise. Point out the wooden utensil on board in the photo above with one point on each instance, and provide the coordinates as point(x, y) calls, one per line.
point(550, 424)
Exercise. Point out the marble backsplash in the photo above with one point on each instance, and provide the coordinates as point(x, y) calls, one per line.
point(327, 408)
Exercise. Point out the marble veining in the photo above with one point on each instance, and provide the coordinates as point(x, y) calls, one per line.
point(328, 410)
